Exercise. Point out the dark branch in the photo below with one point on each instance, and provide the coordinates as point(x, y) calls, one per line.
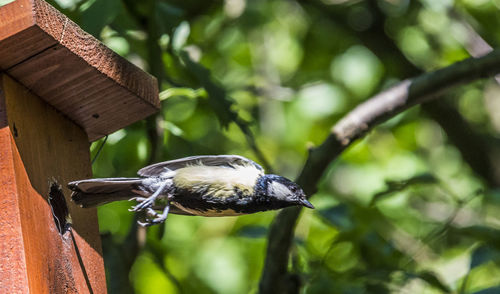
point(475, 148)
point(353, 126)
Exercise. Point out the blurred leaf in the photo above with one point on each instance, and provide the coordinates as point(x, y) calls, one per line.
point(99, 13)
point(253, 231)
point(5, 2)
point(397, 186)
point(493, 196)
point(172, 128)
point(218, 99)
point(380, 255)
point(492, 290)
point(181, 35)
point(168, 16)
point(432, 280)
point(488, 235)
point(378, 288)
point(483, 254)
point(294, 83)
point(185, 92)
point(119, 256)
point(148, 276)
point(358, 68)
point(338, 216)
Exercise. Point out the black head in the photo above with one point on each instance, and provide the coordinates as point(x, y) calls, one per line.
point(284, 190)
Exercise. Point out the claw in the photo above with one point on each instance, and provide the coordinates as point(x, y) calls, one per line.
point(143, 224)
point(157, 218)
point(148, 203)
point(163, 216)
point(151, 212)
point(145, 203)
point(138, 199)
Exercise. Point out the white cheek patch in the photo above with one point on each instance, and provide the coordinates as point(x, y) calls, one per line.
point(279, 190)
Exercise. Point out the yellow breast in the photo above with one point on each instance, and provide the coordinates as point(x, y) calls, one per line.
point(217, 181)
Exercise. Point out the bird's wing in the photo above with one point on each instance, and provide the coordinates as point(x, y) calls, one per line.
point(209, 160)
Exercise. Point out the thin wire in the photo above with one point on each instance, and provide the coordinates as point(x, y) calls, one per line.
point(99, 150)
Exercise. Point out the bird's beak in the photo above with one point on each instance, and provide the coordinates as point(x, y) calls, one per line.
point(306, 203)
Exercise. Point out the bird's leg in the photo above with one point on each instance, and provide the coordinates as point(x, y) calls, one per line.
point(147, 216)
point(163, 216)
point(158, 218)
point(138, 199)
point(149, 202)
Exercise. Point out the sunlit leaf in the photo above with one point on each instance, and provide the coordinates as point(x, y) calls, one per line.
point(5, 2)
point(181, 35)
point(185, 92)
point(432, 280)
point(217, 95)
point(172, 128)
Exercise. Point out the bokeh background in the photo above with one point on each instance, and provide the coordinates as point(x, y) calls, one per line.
point(411, 208)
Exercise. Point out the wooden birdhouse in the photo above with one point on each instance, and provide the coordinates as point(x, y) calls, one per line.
point(60, 88)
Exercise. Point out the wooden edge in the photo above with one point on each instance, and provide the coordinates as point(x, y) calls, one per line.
point(22, 14)
point(95, 53)
point(29, 32)
point(13, 275)
point(14, 19)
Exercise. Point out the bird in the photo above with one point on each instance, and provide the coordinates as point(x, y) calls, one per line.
point(208, 185)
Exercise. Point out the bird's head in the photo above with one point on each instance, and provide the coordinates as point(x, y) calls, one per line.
point(283, 189)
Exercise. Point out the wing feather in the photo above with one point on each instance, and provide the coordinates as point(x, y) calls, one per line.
point(104, 185)
point(156, 169)
point(93, 192)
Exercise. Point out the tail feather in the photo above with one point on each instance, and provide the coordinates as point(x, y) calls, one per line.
point(94, 192)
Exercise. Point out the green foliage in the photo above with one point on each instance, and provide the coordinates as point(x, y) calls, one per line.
point(5, 2)
point(398, 212)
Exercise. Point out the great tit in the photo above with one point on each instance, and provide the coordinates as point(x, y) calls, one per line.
point(214, 185)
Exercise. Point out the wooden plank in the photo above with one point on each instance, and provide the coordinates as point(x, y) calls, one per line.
point(45, 146)
point(27, 28)
point(13, 276)
point(99, 105)
point(71, 70)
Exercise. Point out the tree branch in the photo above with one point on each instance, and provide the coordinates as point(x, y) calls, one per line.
point(397, 64)
point(354, 125)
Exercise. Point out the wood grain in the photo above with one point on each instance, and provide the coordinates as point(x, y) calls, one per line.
point(27, 28)
point(39, 145)
point(13, 276)
point(71, 70)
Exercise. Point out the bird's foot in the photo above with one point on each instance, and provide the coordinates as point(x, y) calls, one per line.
point(153, 217)
point(144, 203)
point(137, 199)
